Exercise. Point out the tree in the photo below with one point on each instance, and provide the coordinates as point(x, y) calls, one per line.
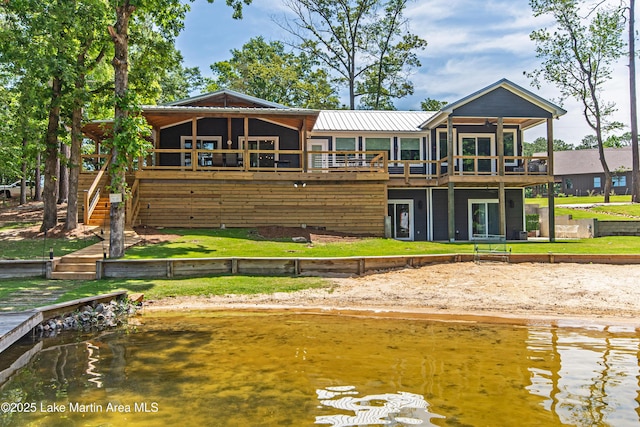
point(588, 142)
point(127, 141)
point(366, 44)
point(430, 104)
point(577, 58)
point(635, 174)
point(539, 145)
point(266, 71)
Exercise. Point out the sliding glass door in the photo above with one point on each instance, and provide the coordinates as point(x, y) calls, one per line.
point(484, 218)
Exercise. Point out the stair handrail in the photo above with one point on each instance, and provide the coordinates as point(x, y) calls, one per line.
point(91, 199)
point(133, 204)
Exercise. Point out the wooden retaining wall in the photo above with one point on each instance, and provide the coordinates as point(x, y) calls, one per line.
point(199, 267)
point(23, 268)
point(355, 207)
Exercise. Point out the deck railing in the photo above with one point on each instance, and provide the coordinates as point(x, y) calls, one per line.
point(199, 160)
point(92, 195)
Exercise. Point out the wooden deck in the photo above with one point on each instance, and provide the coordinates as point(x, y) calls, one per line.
point(14, 326)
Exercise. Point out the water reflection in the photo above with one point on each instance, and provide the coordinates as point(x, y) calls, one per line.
point(248, 369)
point(401, 408)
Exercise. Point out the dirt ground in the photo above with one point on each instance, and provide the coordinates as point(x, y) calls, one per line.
point(589, 292)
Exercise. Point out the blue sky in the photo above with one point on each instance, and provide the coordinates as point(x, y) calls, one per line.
point(471, 44)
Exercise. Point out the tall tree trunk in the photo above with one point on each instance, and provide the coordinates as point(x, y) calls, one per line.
point(63, 183)
point(71, 222)
point(50, 219)
point(23, 183)
point(635, 174)
point(120, 37)
point(38, 189)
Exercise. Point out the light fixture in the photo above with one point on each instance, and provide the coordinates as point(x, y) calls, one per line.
point(299, 184)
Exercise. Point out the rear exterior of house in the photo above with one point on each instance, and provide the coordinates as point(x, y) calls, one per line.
point(229, 160)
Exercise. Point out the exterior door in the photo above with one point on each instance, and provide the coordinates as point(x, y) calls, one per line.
point(477, 146)
point(401, 213)
point(484, 219)
point(318, 162)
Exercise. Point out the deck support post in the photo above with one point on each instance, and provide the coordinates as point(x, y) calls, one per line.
point(502, 206)
point(303, 142)
point(550, 189)
point(451, 212)
point(245, 155)
point(451, 205)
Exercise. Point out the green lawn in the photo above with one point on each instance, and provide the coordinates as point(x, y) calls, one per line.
point(161, 288)
point(572, 200)
point(601, 213)
point(35, 248)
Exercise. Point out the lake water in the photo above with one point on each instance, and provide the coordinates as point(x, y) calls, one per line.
point(277, 369)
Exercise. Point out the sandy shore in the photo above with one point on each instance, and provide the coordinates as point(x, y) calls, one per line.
point(502, 292)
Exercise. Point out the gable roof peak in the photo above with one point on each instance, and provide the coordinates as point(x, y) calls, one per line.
point(226, 98)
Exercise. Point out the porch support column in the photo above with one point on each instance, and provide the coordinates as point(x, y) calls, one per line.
point(502, 206)
point(451, 204)
point(229, 136)
point(550, 189)
point(452, 212)
point(194, 136)
point(303, 142)
point(245, 148)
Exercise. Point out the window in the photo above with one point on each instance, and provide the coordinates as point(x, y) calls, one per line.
point(619, 181)
point(378, 145)
point(345, 144)
point(409, 148)
point(596, 182)
point(568, 184)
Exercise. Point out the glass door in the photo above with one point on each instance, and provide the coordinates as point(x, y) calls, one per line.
point(478, 146)
point(484, 219)
point(318, 161)
point(401, 213)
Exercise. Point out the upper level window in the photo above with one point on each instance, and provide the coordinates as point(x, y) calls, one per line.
point(378, 145)
point(345, 144)
point(409, 148)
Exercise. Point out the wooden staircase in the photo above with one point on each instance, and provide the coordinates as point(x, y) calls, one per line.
point(101, 213)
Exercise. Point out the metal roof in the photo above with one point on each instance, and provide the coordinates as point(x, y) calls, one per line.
point(577, 162)
point(370, 121)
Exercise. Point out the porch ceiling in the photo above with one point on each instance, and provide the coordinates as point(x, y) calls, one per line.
point(163, 116)
point(522, 122)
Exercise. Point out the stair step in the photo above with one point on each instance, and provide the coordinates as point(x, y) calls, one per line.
point(76, 268)
point(72, 275)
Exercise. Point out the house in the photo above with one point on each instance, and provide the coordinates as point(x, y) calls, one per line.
point(226, 159)
point(579, 172)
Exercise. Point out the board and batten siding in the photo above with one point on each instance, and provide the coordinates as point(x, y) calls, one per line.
point(344, 206)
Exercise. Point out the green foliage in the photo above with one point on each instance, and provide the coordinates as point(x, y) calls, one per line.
point(539, 145)
point(131, 141)
point(430, 104)
point(578, 55)
point(366, 44)
point(267, 71)
point(532, 222)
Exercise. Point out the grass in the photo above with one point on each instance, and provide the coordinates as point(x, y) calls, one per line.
point(36, 248)
point(203, 243)
point(162, 288)
point(571, 200)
